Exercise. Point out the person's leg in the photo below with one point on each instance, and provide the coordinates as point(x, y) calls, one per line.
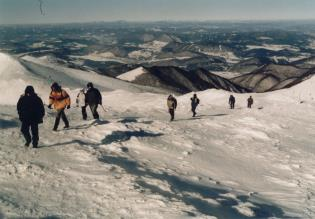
point(35, 137)
point(193, 111)
point(94, 111)
point(172, 112)
point(96, 115)
point(57, 120)
point(84, 114)
point(64, 119)
point(25, 129)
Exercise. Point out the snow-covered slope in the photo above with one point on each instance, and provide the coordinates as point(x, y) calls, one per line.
point(13, 79)
point(133, 163)
point(133, 74)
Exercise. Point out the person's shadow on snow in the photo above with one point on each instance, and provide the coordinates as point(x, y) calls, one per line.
point(86, 126)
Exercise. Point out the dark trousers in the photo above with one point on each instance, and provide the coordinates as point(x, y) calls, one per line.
point(94, 111)
point(193, 109)
point(249, 105)
point(232, 105)
point(25, 129)
point(172, 113)
point(61, 114)
point(84, 114)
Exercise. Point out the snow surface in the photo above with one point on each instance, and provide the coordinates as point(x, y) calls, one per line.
point(230, 57)
point(134, 163)
point(133, 74)
point(102, 57)
point(154, 46)
point(273, 47)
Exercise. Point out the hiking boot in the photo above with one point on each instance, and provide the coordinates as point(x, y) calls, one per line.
point(27, 144)
point(66, 127)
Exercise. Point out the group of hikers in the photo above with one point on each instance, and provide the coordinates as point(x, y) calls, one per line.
point(31, 109)
point(250, 102)
point(172, 104)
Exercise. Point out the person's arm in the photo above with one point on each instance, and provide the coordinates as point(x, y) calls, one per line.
point(99, 97)
point(51, 99)
point(67, 98)
point(41, 107)
point(175, 103)
point(19, 107)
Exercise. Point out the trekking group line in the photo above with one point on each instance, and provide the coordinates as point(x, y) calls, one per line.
point(31, 109)
point(195, 101)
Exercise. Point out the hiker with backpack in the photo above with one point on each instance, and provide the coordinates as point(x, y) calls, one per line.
point(194, 103)
point(172, 105)
point(232, 101)
point(93, 98)
point(60, 100)
point(80, 101)
point(31, 111)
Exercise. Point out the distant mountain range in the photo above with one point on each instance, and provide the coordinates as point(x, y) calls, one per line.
point(266, 78)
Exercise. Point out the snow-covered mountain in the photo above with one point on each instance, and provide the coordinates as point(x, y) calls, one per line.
point(179, 80)
point(134, 163)
point(272, 77)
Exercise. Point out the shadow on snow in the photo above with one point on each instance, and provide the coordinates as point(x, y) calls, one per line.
point(121, 136)
point(5, 124)
point(200, 117)
point(185, 191)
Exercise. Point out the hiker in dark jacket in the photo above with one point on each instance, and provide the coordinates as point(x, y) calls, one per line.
point(172, 105)
point(232, 101)
point(194, 103)
point(250, 102)
point(93, 98)
point(31, 111)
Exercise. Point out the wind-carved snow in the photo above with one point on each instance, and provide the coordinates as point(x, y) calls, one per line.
point(134, 163)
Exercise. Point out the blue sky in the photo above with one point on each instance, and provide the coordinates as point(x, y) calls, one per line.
point(62, 11)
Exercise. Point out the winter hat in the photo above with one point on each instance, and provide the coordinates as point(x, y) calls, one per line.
point(29, 90)
point(90, 85)
point(55, 85)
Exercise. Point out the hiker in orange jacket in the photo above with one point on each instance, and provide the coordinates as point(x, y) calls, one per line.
point(60, 100)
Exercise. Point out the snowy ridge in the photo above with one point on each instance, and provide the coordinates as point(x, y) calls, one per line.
point(240, 163)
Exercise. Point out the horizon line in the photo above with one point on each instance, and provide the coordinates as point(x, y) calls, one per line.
point(169, 21)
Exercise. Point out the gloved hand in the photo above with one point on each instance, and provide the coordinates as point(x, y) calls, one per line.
point(49, 106)
point(68, 107)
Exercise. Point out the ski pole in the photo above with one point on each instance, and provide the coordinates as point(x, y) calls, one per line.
point(104, 108)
